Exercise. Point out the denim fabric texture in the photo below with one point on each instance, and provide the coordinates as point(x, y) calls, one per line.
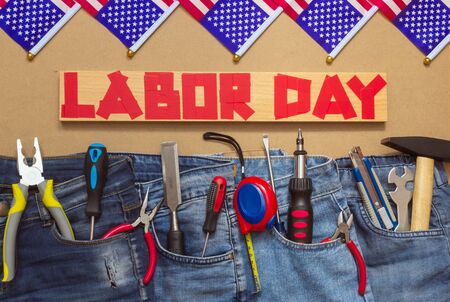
point(401, 266)
point(406, 266)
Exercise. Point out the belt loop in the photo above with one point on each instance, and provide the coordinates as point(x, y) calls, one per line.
point(43, 212)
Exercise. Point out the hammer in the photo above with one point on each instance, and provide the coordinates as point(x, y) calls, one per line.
point(426, 149)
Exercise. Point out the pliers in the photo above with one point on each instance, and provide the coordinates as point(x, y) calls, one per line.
point(343, 232)
point(144, 218)
point(30, 176)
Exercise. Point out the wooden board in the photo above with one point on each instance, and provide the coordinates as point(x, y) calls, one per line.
point(223, 96)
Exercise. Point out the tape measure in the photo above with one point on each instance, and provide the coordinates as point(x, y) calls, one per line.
point(251, 256)
point(254, 201)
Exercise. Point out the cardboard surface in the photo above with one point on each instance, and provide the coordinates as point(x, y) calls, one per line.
point(418, 95)
point(211, 96)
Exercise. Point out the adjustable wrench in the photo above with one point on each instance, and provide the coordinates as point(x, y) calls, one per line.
point(401, 196)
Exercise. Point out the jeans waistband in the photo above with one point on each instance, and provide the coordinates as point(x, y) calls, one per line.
point(197, 172)
point(440, 175)
point(69, 182)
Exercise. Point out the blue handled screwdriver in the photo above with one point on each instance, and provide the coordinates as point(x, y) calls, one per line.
point(95, 171)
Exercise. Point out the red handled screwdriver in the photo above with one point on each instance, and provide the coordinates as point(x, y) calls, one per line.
point(216, 196)
point(300, 219)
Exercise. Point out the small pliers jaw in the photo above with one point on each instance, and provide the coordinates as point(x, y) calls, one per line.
point(343, 229)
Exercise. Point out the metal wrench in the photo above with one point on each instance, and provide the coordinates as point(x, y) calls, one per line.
point(401, 196)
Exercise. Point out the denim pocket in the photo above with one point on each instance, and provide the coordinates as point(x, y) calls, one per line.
point(319, 271)
point(101, 269)
point(211, 278)
point(399, 261)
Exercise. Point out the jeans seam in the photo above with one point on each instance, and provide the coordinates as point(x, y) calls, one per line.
point(132, 256)
point(438, 216)
point(232, 248)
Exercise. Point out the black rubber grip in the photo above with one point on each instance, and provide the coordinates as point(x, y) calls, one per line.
point(95, 171)
point(210, 223)
point(300, 216)
point(175, 242)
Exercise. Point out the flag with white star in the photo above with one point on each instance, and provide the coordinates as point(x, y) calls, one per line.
point(331, 23)
point(32, 23)
point(237, 24)
point(132, 21)
point(425, 22)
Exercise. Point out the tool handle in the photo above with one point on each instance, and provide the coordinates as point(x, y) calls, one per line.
point(56, 210)
point(300, 216)
point(175, 241)
point(423, 194)
point(151, 257)
point(18, 204)
point(214, 202)
point(95, 171)
point(361, 267)
point(121, 228)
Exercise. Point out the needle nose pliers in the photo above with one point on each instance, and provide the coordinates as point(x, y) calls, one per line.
point(145, 219)
point(343, 233)
point(30, 176)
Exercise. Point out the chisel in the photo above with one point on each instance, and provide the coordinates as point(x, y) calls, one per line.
point(95, 171)
point(172, 194)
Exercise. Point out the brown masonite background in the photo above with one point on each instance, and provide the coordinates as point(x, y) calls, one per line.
point(418, 96)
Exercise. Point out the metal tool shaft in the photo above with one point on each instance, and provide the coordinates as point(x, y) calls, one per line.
point(91, 233)
point(279, 224)
point(300, 157)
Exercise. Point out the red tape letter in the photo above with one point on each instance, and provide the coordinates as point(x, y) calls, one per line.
point(332, 88)
point(367, 94)
point(71, 108)
point(119, 98)
point(234, 95)
point(303, 104)
point(190, 109)
point(161, 101)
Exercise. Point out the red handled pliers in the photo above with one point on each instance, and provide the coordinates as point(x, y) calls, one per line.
point(343, 232)
point(144, 218)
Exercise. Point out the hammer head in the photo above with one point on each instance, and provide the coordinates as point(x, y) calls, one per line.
point(434, 148)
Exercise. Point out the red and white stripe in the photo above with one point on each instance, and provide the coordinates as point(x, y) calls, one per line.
point(295, 7)
point(92, 6)
point(391, 8)
point(199, 8)
point(3, 3)
point(64, 5)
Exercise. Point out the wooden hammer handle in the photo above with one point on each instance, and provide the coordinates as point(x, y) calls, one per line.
point(423, 193)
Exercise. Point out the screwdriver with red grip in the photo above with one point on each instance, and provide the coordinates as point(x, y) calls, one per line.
point(216, 196)
point(300, 217)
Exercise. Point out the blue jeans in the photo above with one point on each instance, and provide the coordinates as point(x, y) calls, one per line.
point(52, 268)
point(407, 266)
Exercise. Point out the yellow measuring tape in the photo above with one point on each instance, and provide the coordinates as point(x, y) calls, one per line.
point(251, 256)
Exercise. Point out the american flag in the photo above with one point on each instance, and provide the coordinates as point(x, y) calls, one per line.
point(237, 24)
point(425, 22)
point(132, 21)
point(331, 23)
point(32, 23)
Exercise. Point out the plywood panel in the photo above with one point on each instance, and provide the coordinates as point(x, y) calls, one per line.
point(418, 95)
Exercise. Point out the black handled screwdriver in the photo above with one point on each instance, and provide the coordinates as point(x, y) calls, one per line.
point(95, 171)
point(300, 217)
point(214, 202)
